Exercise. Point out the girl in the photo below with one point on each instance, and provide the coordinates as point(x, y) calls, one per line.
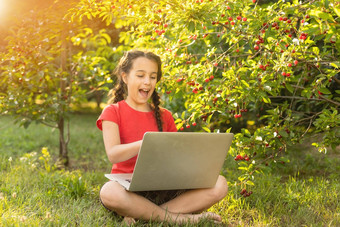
point(123, 124)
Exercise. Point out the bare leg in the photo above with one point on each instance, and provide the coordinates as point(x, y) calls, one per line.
point(198, 200)
point(129, 204)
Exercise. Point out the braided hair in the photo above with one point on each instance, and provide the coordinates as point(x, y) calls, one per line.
point(125, 64)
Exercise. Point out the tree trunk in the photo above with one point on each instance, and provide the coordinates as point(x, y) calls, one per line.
point(63, 151)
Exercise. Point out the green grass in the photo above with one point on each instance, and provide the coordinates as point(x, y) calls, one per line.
point(304, 192)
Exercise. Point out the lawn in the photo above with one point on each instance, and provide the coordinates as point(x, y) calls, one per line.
point(33, 192)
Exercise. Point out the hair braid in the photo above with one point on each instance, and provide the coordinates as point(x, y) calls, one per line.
point(156, 102)
point(118, 93)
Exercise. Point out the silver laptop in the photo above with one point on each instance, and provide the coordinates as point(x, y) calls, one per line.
point(177, 160)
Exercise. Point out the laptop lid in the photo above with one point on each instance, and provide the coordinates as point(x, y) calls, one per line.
point(179, 160)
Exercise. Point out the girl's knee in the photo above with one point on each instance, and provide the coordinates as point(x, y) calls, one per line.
point(111, 195)
point(221, 188)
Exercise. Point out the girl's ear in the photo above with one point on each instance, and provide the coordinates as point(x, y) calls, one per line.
point(124, 77)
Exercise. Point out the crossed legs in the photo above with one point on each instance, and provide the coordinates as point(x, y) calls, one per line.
point(183, 208)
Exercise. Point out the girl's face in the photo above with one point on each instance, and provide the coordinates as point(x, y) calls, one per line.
point(141, 82)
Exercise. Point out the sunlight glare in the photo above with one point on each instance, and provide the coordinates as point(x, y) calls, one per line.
point(3, 6)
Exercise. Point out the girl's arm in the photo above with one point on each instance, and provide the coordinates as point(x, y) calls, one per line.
point(117, 152)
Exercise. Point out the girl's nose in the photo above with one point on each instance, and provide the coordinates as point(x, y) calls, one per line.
point(147, 80)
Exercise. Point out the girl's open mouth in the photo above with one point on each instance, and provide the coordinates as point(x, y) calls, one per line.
point(144, 92)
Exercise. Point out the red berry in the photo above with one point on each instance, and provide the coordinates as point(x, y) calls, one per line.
point(238, 17)
point(254, 1)
point(230, 18)
point(232, 23)
point(296, 62)
point(283, 74)
point(211, 77)
point(289, 64)
point(187, 126)
point(256, 47)
point(244, 19)
point(215, 64)
point(194, 124)
point(207, 80)
point(243, 191)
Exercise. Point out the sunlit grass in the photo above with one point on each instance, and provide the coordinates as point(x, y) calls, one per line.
point(305, 192)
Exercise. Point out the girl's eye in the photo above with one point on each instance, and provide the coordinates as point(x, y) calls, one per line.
point(140, 75)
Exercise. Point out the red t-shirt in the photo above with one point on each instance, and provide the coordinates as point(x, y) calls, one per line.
point(132, 126)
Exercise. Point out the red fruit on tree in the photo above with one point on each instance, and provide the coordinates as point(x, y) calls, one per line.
point(296, 62)
point(256, 47)
point(243, 191)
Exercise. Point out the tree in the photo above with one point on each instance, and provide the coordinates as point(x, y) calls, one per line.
point(226, 62)
point(41, 72)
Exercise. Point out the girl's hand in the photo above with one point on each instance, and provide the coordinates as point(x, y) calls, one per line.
point(116, 151)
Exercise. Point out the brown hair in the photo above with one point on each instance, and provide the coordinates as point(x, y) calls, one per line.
point(124, 66)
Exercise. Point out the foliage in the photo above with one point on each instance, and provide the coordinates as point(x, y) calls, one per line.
point(51, 65)
point(225, 61)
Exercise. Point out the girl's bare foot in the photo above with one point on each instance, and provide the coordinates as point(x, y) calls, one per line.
point(211, 216)
point(196, 218)
point(129, 221)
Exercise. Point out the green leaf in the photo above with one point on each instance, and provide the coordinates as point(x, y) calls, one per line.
point(266, 99)
point(249, 182)
point(206, 129)
point(337, 11)
point(325, 91)
point(335, 64)
point(283, 133)
point(245, 83)
point(289, 88)
point(322, 15)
